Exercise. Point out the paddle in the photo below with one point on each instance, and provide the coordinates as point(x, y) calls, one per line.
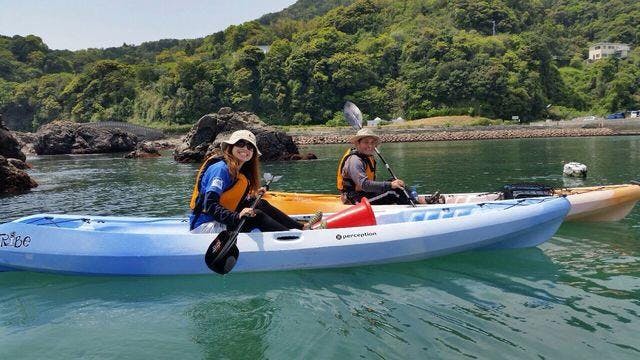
point(354, 118)
point(223, 253)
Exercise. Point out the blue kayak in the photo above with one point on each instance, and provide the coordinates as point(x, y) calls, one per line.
point(100, 245)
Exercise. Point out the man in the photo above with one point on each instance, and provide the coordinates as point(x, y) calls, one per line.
point(356, 176)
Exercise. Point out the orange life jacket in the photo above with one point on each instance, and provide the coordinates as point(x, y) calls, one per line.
point(230, 199)
point(346, 184)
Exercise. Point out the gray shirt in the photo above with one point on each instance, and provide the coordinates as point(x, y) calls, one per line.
point(354, 169)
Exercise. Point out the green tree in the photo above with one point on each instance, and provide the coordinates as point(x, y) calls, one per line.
point(245, 78)
point(275, 95)
point(105, 84)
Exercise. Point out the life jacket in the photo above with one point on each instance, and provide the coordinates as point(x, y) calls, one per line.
point(345, 184)
point(230, 198)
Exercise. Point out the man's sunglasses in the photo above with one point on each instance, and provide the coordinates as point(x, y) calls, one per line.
point(243, 143)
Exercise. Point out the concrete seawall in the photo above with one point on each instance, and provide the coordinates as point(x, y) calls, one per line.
point(408, 134)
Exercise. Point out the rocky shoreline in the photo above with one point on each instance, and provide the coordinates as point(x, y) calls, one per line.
point(407, 133)
point(206, 134)
point(456, 135)
point(342, 135)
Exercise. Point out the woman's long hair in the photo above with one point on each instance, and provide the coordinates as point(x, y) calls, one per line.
point(250, 169)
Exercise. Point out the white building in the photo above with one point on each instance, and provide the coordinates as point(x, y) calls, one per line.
point(602, 50)
point(374, 122)
point(264, 48)
point(377, 121)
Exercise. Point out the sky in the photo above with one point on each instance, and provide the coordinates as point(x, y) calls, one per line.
point(81, 24)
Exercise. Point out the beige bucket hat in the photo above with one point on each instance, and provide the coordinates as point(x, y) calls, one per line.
point(245, 135)
point(363, 133)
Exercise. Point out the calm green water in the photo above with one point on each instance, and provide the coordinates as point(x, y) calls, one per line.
point(574, 297)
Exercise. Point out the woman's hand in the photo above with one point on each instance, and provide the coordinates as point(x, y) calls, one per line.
point(248, 212)
point(397, 184)
point(262, 190)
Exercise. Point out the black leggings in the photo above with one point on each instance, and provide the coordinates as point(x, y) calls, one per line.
point(269, 218)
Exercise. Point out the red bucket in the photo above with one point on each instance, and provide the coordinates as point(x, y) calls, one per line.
point(356, 215)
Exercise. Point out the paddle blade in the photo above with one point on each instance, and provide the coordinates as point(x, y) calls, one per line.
point(216, 260)
point(267, 177)
point(353, 115)
point(277, 178)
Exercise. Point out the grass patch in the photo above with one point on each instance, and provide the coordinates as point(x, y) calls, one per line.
point(448, 121)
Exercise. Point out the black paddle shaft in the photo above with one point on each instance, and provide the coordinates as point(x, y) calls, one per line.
point(234, 235)
point(386, 164)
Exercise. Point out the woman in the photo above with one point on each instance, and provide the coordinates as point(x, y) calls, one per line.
point(225, 187)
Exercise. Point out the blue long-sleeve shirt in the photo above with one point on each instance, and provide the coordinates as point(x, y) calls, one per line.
point(215, 181)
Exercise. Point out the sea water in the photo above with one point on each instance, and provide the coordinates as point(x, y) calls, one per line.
point(575, 297)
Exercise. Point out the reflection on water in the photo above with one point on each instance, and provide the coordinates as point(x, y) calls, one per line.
point(575, 296)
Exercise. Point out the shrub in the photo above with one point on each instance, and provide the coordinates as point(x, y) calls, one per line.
point(301, 118)
point(337, 120)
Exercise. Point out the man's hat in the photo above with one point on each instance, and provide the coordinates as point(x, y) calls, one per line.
point(363, 133)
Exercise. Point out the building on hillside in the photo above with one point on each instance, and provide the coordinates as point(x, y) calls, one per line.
point(264, 48)
point(377, 121)
point(374, 122)
point(604, 49)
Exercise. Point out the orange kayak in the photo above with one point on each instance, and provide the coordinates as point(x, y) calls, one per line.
point(594, 203)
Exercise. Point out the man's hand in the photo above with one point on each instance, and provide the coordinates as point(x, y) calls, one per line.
point(397, 184)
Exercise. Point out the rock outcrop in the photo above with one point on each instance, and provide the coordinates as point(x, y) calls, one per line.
point(144, 150)
point(26, 140)
point(9, 145)
point(66, 137)
point(211, 129)
point(13, 180)
point(19, 164)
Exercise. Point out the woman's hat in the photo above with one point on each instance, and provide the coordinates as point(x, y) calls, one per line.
point(363, 133)
point(245, 135)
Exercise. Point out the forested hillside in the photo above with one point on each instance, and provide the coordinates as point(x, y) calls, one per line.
point(393, 58)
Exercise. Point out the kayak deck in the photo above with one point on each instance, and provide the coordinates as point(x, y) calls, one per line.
point(131, 225)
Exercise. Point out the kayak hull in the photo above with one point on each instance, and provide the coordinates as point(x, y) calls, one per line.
point(149, 246)
point(597, 203)
point(602, 203)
